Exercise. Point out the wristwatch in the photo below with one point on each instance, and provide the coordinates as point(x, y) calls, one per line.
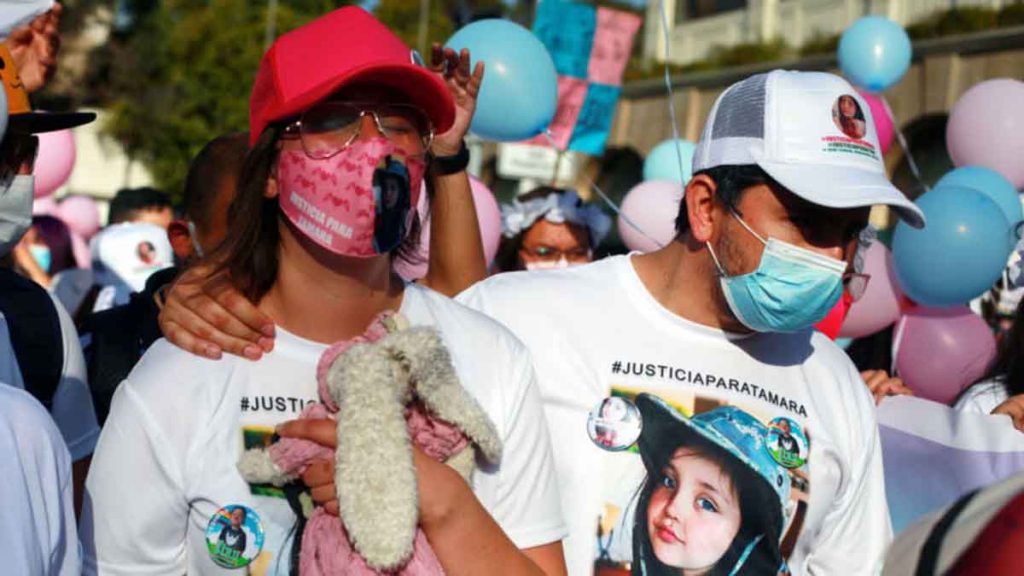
point(446, 165)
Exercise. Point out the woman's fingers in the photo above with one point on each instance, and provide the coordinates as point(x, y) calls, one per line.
point(186, 341)
point(319, 473)
point(244, 319)
point(191, 318)
point(321, 431)
point(202, 309)
point(323, 494)
point(332, 507)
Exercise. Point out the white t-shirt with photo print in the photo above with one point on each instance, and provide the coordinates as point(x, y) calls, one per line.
point(595, 328)
point(166, 458)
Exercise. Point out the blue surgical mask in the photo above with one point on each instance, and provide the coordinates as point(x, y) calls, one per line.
point(42, 256)
point(791, 289)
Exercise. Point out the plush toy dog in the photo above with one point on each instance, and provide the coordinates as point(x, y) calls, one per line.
point(387, 388)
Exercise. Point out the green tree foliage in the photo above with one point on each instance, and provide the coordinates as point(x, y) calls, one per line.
point(183, 76)
point(403, 17)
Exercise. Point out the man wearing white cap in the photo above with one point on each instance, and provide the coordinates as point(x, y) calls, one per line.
point(723, 315)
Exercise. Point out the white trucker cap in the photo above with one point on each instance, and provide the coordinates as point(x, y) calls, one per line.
point(799, 128)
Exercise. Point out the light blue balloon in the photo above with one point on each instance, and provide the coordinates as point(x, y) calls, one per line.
point(991, 184)
point(958, 255)
point(874, 53)
point(520, 89)
point(663, 161)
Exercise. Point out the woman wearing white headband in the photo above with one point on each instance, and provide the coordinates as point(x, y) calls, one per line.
point(549, 228)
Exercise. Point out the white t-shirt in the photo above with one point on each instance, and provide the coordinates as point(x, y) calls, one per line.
point(983, 397)
point(72, 407)
point(37, 522)
point(166, 458)
point(595, 330)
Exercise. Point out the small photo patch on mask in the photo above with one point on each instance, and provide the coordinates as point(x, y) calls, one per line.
point(392, 198)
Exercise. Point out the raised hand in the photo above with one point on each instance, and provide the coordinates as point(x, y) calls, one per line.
point(453, 67)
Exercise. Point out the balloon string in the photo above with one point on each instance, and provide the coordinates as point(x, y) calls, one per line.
point(904, 146)
point(897, 339)
point(611, 203)
point(668, 87)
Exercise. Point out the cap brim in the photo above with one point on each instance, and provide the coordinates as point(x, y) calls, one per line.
point(39, 122)
point(658, 421)
point(416, 84)
point(843, 187)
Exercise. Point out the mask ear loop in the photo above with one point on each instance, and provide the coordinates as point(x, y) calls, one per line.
point(718, 264)
point(721, 271)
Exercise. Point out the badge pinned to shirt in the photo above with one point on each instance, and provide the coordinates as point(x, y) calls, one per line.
point(787, 443)
point(614, 424)
point(234, 536)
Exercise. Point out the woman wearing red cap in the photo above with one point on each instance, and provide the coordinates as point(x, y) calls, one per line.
point(345, 127)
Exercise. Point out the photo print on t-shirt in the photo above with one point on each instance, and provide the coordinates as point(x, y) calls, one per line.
point(279, 508)
point(703, 487)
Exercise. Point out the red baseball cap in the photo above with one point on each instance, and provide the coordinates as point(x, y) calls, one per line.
point(343, 47)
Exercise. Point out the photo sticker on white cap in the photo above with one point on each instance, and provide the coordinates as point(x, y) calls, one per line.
point(852, 124)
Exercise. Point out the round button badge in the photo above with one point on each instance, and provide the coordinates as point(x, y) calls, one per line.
point(787, 443)
point(234, 536)
point(614, 424)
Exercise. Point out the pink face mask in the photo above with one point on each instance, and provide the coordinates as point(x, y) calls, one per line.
point(355, 203)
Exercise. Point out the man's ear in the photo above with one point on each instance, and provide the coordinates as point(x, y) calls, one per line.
point(700, 207)
point(181, 240)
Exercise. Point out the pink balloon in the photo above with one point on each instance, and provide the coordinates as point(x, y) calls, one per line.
point(652, 207)
point(941, 351)
point(883, 120)
point(986, 128)
point(80, 248)
point(880, 305)
point(55, 161)
point(81, 215)
point(44, 206)
point(488, 216)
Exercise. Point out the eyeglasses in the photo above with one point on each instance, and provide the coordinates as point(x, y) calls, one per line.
point(855, 284)
point(17, 151)
point(550, 254)
point(330, 127)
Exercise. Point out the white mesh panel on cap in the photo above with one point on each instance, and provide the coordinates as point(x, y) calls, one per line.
point(735, 127)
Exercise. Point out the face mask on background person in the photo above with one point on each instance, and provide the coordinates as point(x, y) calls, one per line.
point(791, 289)
point(41, 254)
point(15, 210)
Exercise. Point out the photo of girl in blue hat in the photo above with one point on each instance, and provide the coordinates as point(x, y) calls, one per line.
point(714, 501)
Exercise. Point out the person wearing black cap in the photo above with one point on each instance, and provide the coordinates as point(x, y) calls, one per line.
point(44, 355)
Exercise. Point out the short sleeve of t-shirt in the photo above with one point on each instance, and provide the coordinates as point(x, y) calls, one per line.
point(527, 502)
point(37, 528)
point(72, 402)
point(521, 494)
point(72, 407)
